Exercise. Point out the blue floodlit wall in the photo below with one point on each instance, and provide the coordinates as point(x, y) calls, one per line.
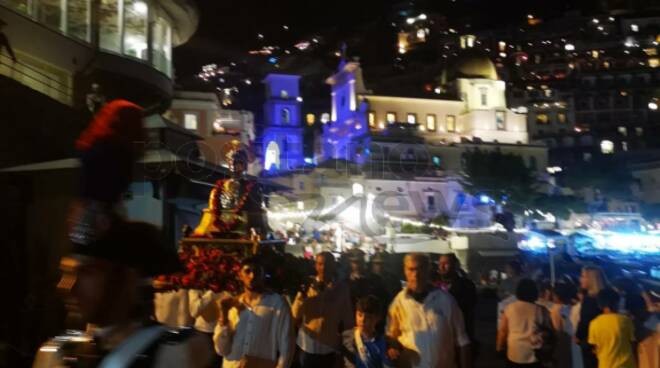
point(349, 121)
point(282, 135)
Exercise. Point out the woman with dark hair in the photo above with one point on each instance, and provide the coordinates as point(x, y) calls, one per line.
point(519, 327)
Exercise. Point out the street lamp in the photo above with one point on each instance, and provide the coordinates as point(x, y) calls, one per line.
point(653, 105)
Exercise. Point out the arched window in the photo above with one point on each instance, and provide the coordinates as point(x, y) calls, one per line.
point(272, 156)
point(285, 116)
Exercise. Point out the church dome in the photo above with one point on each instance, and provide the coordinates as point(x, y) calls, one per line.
point(469, 64)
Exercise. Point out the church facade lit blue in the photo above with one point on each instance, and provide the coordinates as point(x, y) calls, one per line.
point(349, 115)
point(282, 137)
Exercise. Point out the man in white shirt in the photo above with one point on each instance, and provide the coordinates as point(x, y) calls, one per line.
point(255, 328)
point(171, 306)
point(204, 310)
point(425, 325)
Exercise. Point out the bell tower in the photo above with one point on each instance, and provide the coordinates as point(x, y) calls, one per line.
point(282, 139)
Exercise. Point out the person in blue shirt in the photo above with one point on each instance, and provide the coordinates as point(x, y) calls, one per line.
point(363, 345)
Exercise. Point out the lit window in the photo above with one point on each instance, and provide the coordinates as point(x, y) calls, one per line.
point(311, 118)
point(639, 131)
point(190, 121)
point(548, 93)
point(325, 117)
point(542, 119)
point(109, 25)
point(391, 117)
point(421, 35)
point(411, 118)
point(77, 19)
point(22, 6)
point(451, 123)
point(634, 27)
point(284, 94)
point(49, 12)
point(272, 156)
point(561, 117)
point(624, 146)
point(358, 189)
point(430, 122)
point(285, 116)
point(500, 120)
point(467, 41)
point(484, 96)
point(372, 119)
point(607, 147)
point(654, 62)
point(162, 45)
point(623, 131)
point(135, 28)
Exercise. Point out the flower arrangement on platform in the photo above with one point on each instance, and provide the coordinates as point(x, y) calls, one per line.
point(216, 267)
point(206, 268)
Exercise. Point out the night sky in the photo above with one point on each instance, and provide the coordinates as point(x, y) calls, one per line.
point(229, 28)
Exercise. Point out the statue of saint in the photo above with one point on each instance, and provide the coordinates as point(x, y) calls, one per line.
point(235, 209)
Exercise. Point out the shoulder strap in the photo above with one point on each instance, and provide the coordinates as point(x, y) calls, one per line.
point(127, 351)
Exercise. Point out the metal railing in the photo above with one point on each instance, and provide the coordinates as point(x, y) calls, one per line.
point(36, 79)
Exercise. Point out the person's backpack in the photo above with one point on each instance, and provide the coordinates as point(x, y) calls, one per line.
point(544, 336)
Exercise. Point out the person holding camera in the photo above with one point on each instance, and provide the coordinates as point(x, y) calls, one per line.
point(323, 310)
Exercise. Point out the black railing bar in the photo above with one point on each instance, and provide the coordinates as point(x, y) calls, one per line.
point(66, 93)
point(31, 68)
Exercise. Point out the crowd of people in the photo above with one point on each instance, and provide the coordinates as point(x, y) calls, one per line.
point(589, 323)
point(349, 313)
point(346, 314)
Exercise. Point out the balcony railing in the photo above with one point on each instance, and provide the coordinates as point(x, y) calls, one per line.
point(59, 89)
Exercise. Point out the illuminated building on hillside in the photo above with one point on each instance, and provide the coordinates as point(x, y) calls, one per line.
point(281, 139)
point(411, 150)
point(474, 112)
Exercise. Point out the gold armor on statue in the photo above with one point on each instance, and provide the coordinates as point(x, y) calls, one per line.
point(235, 205)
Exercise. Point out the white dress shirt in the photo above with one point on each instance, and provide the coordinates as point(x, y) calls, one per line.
point(171, 308)
point(203, 309)
point(265, 331)
point(521, 320)
point(429, 332)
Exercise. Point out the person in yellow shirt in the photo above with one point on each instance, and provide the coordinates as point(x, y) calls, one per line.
point(611, 333)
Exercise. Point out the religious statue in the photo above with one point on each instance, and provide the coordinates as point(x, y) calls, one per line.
point(235, 209)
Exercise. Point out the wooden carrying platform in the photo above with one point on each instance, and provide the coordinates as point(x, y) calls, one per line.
point(238, 247)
